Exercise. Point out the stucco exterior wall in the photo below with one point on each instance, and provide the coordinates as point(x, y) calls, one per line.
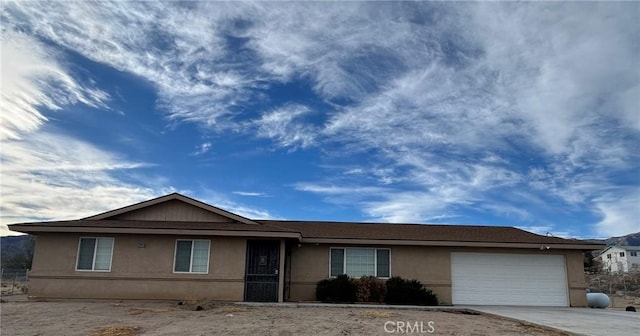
point(136, 272)
point(429, 265)
point(147, 273)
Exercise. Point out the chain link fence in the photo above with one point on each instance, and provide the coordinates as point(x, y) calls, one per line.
point(14, 281)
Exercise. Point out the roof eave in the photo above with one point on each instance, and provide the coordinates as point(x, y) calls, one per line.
point(33, 229)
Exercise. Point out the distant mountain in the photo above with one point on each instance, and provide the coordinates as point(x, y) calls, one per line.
point(632, 239)
point(16, 251)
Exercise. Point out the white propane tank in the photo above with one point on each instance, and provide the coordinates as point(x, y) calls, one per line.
point(597, 300)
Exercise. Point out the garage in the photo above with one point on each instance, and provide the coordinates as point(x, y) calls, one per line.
point(509, 279)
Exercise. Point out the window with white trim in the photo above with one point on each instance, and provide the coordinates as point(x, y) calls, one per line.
point(358, 262)
point(622, 254)
point(192, 256)
point(634, 253)
point(94, 254)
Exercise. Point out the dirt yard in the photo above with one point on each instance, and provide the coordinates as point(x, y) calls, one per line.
point(134, 318)
point(622, 302)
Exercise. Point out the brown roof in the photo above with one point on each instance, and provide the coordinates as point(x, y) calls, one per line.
point(142, 224)
point(309, 230)
point(427, 232)
point(306, 231)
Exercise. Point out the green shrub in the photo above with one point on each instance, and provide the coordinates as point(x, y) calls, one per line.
point(408, 292)
point(338, 289)
point(370, 289)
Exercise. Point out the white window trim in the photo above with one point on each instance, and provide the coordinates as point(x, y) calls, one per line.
point(175, 252)
point(375, 259)
point(95, 248)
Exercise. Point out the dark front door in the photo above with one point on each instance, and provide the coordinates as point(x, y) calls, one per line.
point(261, 277)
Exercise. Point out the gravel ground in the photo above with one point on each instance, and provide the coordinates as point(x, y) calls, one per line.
point(136, 318)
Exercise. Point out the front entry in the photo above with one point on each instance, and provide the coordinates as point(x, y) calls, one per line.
point(261, 275)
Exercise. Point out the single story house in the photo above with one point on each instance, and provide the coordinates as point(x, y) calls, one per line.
point(177, 248)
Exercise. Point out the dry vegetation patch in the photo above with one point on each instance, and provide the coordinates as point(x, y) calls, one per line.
point(140, 310)
point(229, 310)
point(117, 331)
point(376, 313)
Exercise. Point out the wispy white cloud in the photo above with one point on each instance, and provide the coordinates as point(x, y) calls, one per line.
point(620, 212)
point(49, 176)
point(285, 126)
point(439, 97)
point(202, 148)
point(337, 190)
point(33, 79)
point(556, 71)
point(223, 201)
point(250, 193)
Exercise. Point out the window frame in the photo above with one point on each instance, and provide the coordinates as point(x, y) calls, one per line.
point(95, 248)
point(175, 252)
point(633, 253)
point(375, 259)
point(621, 254)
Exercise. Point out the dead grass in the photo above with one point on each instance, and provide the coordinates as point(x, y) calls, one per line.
point(229, 310)
point(117, 331)
point(376, 313)
point(138, 311)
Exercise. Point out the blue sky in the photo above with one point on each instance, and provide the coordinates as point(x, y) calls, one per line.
point(521, 114)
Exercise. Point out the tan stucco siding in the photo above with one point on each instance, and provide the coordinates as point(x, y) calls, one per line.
point(575, 277)
point(430, 265)
point(136, 272)
point(173, 210)
point(132, 289)
point(147, 272)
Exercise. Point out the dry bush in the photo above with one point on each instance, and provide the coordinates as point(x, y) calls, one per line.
point(198, 303)
point(370, 289)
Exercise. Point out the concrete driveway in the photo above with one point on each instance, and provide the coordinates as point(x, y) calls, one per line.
point(580, 321)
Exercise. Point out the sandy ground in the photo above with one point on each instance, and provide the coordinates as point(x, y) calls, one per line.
point(135, 318)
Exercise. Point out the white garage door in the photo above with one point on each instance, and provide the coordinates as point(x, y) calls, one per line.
point(509, 279)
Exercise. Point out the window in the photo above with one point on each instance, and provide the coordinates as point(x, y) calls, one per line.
point(634, 253)
point(192, 256)
point(94, 254)
point(608, 256)
point(359, 262)
point(622, 254)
